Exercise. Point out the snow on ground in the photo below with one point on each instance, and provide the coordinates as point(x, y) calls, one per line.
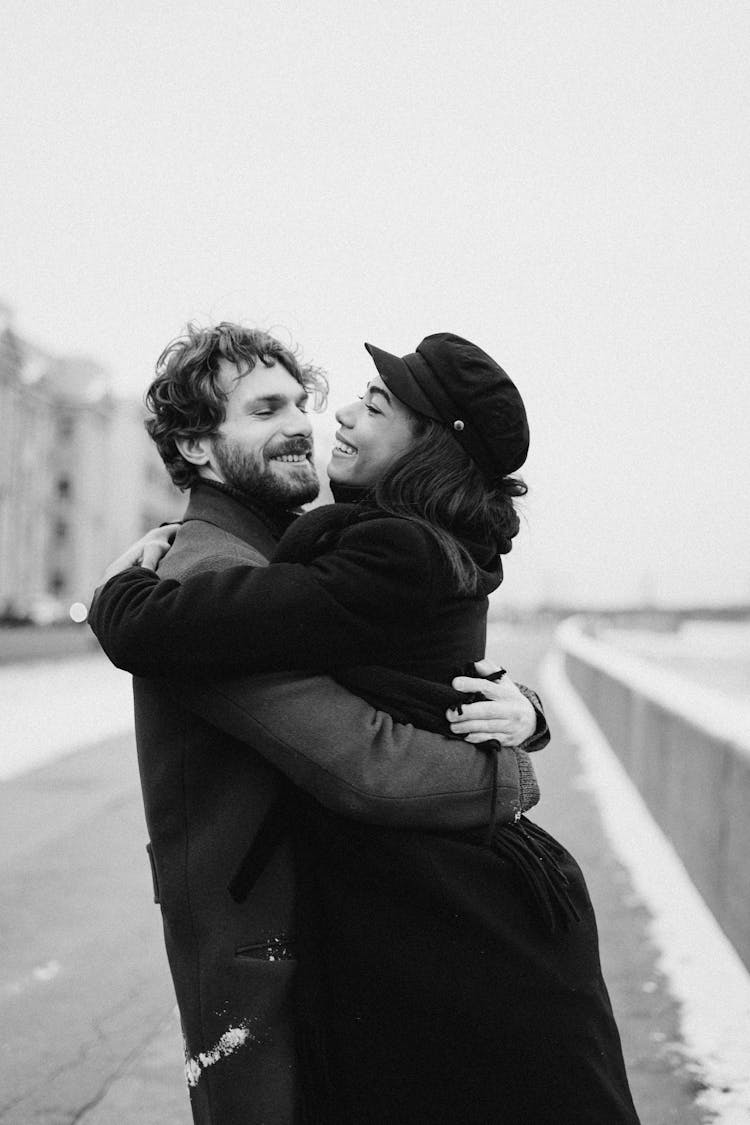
point(706, 976)
point(51, 707)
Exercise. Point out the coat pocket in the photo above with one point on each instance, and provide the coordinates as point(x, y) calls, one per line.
point(273, 949)
point(154, 876)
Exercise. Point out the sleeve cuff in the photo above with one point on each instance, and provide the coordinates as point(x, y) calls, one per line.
point(541, 736)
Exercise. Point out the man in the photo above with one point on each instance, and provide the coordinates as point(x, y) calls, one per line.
point(229, 417)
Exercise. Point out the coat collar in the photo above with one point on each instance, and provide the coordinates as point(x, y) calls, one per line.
point(221, 509)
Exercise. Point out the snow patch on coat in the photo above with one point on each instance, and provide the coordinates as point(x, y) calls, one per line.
point(232, 1039)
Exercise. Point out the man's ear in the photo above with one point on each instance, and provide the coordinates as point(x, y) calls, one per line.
point(196, 450)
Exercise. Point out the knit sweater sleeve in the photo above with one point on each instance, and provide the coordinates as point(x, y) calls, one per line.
point(349, 605)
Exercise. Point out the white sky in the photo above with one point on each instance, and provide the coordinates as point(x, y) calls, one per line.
point(560, 182)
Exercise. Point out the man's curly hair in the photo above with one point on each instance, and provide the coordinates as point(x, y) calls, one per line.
point(186, 399)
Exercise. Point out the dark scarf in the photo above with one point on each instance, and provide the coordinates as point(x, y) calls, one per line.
point(351, 493)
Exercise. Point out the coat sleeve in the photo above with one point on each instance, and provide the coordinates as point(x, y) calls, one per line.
point(354, 760)
point(541, 735)
point(344, 608)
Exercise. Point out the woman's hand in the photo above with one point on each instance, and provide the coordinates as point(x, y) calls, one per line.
point(147, 551)
point(506, 714)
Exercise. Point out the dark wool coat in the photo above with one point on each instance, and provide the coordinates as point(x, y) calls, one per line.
point(206, 792)
point(383, 595)
point(451, 996)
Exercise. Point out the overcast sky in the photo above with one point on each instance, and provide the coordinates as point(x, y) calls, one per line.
point(563, 182)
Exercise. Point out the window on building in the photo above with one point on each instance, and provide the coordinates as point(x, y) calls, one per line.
point(61, 530)
point(65, 427)
point(63, 486)
point(57, 582)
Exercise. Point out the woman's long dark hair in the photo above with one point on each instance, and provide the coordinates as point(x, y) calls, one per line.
point(437, 485)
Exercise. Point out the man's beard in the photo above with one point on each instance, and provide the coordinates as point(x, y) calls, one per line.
point(251, 473)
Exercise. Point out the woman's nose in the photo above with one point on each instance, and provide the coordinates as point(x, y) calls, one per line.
point(345, 415)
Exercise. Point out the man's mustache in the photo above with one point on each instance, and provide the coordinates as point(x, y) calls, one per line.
point(295, 446)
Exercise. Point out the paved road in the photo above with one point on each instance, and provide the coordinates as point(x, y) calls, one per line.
point(88, 1029)
point(84, 984)
point(21, 643)
point(51, 706)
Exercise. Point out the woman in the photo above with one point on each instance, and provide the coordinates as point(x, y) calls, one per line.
point(448, 978)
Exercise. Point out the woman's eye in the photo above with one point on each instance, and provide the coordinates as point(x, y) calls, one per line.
point(368, 406)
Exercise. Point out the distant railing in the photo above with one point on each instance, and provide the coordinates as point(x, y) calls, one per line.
point(687, 750)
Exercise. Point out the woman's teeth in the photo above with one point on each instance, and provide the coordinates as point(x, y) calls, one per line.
point(343, 447)
point(292, 457)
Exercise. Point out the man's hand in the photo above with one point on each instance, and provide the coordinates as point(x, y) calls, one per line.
point(147, 551)
point(506, 714)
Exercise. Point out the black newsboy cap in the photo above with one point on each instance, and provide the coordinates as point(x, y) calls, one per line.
point(455, 382)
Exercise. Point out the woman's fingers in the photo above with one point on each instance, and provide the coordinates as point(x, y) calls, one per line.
point(511, 735)
point(493, 689)
point(505, 713)
point(491, 720)
point(497, 729)
point(503, 739)
point(483, 709)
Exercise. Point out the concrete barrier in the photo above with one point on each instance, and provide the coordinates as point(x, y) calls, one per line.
point(688, 752)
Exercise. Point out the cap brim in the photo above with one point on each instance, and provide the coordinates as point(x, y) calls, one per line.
point(398, 378)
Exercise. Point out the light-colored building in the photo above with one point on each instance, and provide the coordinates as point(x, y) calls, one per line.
point(79, 477)
point(140, 494)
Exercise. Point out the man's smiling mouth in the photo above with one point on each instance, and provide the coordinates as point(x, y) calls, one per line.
point(292, 453)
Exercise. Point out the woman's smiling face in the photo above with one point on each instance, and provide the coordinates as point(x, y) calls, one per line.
point(373, 432)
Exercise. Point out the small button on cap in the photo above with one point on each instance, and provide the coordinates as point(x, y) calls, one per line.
point(458, 425)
